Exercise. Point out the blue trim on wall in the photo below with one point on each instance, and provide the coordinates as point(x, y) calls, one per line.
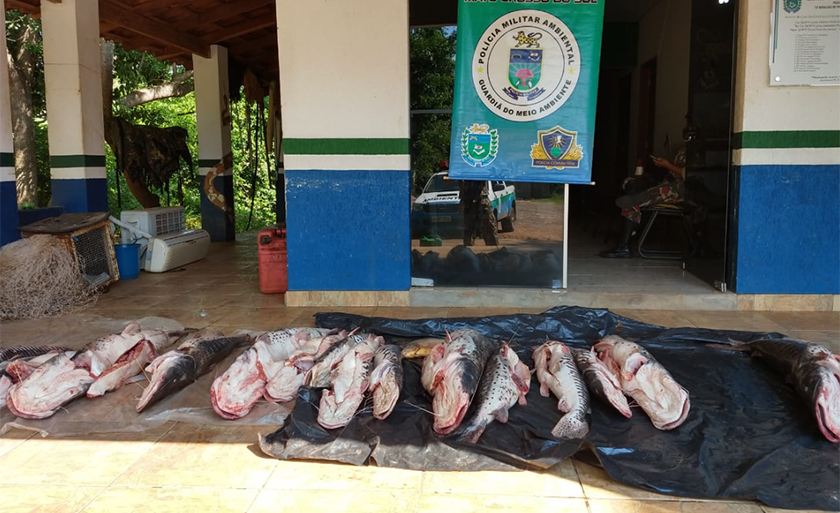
point(8, 213)
point(348, 230)
point(81, 195)
point(788, 233)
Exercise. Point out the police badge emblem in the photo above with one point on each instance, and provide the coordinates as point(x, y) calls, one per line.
point(792, 6)
point(479, 145)
point(557, 149)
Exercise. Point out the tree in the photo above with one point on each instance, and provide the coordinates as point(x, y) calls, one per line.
point(26, 85)
point(432, 53)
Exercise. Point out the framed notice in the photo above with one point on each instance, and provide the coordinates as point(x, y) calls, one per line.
point(805, 43)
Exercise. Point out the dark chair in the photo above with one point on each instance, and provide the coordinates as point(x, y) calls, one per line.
point(663, 210)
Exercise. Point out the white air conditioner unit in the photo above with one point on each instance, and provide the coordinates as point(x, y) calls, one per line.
point(154, 221)
point(176, 249)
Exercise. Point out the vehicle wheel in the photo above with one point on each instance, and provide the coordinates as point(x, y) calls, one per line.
point(507, 223)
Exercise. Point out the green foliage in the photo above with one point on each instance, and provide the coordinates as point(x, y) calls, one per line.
point(16, 24)
point(432, 52)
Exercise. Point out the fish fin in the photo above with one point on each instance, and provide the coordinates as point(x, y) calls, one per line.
point(562, 405)
point(569, 427)
point(544, 389)
point(130, 329)
point(502, 415)
point(741, 347)
point(522, 400)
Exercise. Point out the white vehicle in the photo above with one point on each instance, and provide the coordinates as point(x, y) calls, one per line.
point(437, 208)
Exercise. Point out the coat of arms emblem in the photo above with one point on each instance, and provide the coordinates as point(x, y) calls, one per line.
point(557, 149)
point(479, 145)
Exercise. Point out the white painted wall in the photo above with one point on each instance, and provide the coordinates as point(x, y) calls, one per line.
point(665, 33)
point(72, 63)
point(760, 107)
point(7, 174)
point(344, 68)
point(212, 105)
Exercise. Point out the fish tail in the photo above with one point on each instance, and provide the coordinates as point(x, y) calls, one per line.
point(571, 427)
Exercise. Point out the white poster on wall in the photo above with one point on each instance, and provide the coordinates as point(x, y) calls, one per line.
point(805, 42)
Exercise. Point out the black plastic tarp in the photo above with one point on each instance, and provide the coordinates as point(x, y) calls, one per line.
point(748, 435)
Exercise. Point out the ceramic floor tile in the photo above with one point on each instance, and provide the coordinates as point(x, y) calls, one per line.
point(768, 509)
point(681, 506)
point(191, 455)
point(830, 339)
point(477, 503)
point(805, 321)
point(597, 484)
point(748, 321)
point(667, 318)
point(560, 481)
point(94, 460)
point(12, 439)
point(300, 475)
point(335, 501)
point(46, 498)
point(171, 500)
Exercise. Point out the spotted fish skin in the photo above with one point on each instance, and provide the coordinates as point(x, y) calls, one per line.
point(814, 372)
point(602, 383)
point(556, 371)
point(451, 373)
point(386, 380)
point(501, 387)
point(14, 353)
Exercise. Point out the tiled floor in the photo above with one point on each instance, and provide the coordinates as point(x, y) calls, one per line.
point(182, 467)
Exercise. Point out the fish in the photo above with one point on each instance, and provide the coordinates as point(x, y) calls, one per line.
point(102, 353)
point(644, 379)
point(451, 373)
point(194, 357)
point(14, 353)
point(505, 382)
point(602, 383)
point(5, 384)
point(349, 381)
point(556, 372)
point(131, 363)
point(814, 372)
point(52, 385)
point(328, 356)
point(419, 348)
point(386, 380)
point(20, 368)
point(260, 371)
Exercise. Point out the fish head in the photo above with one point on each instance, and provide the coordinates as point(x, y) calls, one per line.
point(656, 391)
point(169, 376)
point(827, 398)
point(453, 394)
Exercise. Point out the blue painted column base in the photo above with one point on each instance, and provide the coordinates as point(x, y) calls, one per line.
point(218, 220)
point(8, 213)
point(348, 230)
point(81, 195)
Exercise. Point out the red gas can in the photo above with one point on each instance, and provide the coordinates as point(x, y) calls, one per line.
point(274, 273)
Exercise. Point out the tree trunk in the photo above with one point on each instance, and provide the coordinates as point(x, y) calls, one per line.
point(21, 69)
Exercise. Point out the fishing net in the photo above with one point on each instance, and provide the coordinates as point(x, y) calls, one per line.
point(41, 278)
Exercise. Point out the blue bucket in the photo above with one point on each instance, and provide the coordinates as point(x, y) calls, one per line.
point(128, 260)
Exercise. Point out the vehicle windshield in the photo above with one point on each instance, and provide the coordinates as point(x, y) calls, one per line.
point(440, 183)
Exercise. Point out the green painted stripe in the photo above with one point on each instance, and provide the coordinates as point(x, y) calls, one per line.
point(208, 162)
point(346, 146)
point(7, 159)
point(61, 161)
point(787, 139)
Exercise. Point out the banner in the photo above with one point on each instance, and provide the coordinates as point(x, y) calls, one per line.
point(526, 86)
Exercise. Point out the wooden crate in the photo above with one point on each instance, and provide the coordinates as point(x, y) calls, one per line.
point(87, 236)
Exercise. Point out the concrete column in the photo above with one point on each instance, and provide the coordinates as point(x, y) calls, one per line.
point(72, 71)
point(345, 104)
point(215, 160)
point(8, 194)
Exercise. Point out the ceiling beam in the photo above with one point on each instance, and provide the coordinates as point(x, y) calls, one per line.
point(224, 11)
point(239, 29)
point(135, 22)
